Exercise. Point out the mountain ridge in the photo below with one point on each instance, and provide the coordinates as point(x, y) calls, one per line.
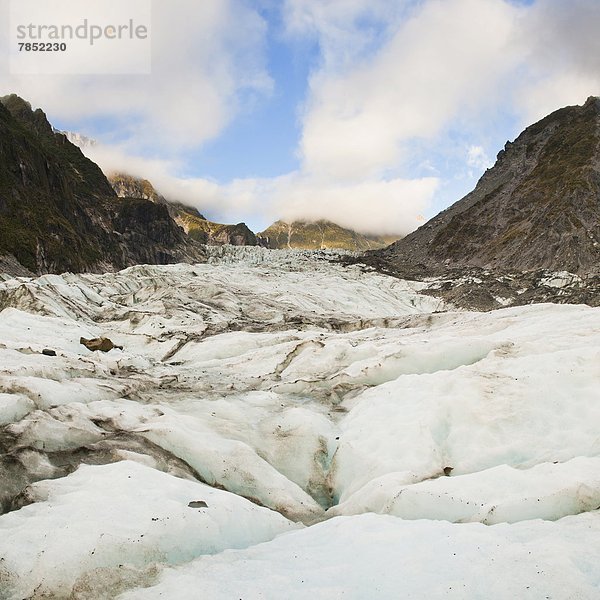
point(58, 212)
point(319, 235)
point(537, 208)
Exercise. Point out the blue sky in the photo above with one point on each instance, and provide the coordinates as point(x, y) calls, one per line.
point(373, 113)
point(262, 140)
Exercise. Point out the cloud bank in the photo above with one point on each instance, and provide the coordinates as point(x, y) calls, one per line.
point(288, 197)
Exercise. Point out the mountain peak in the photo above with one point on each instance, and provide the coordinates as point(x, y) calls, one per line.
point(16, 105)
point(22, 111)
point(319, 235)
point(128, 186)
point(537, 208)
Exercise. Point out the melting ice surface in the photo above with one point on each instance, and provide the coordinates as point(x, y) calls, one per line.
point(280, 426)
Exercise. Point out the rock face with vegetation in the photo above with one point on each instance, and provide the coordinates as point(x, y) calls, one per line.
point(126, 186)
point(215, 234)
point(189, 219)
point(58, 212)
point(537, 208)
point(319, 235)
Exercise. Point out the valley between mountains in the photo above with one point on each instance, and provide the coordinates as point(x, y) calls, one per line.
point(186, 413)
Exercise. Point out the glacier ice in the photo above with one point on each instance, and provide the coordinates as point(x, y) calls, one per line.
point(82, 530)
point(282, 389)
point(381, 557)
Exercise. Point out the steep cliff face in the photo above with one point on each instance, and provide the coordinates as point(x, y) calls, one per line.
point(46, 185)
point(195, 225)
point(149, 228)
point(58, 212)
point(319, 235)
point(537, 208)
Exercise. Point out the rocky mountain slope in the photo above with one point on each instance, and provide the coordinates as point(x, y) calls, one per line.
point(58, 212)
point(319, 235)
point(198, 227)
point(537, 208)
point(215, 234)
point(127, 186)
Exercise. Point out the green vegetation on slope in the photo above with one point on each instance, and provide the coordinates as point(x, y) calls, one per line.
point(58, 212)
point(211, 233)
point(320, 235)
point(43, 180)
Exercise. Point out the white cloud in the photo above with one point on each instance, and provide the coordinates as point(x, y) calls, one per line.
point(204, 54)
point(436, 62)
point(561, 57)
point(478, 158)
point(373, 206)
point(344, 29)
point(392, 206)
point(437, 66)
point(442, 61)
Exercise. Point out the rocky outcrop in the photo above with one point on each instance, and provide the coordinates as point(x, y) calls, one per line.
point(537, 208)
point(216, 234)
point(58, 212)
point(127, 186)
point(195, 225)
point(319, 235)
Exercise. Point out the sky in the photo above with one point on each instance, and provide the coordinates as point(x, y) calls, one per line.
point(375, 114)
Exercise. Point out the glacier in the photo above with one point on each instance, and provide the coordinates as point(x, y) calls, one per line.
point(278, 424)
